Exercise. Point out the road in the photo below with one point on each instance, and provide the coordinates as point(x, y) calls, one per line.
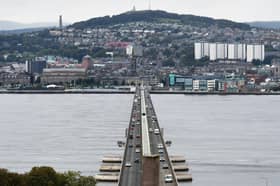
point(143, 140)
point(131, 175)
point(156, 140)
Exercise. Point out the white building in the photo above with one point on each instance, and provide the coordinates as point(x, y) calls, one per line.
point(211, 85)
point(213, 51)
point(255, 52)
point(201, 50)
point(206, 51)
point(250, 53)
point(195, 85)
point(222, 51)
point(232, 51)
point(134, 50)
point(236, 51)
point(241, 51)
point(198, 51)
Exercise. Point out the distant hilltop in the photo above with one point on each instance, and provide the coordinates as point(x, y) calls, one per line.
point(10, 25)
point(157, 16)
point(266, 24)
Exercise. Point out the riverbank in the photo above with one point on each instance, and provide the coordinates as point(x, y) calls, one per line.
point(116, 91)
point(214, 93)
point(68, 91)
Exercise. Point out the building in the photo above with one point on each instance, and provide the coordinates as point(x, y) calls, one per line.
point(188, 84)
point(35, 67)
point(213, 51)
point(232, 51)
point(237, 52)
point(87, 62)
point(222, 51)
point(201, 50)
point(255, 52)
point(63, 75)
point(14, 78)
point(276, 68)
point(60, 22)
point(212, 85)
point(198, 51)
point(200, 85)
point(134, 50)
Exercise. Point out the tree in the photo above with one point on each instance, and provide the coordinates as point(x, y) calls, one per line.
point(168, 63)
point(76, 179)
point(43, 176)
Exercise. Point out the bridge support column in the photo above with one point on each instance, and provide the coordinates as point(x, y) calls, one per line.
point(151, 170)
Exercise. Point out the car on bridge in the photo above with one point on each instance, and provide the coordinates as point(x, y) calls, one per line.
point(156, 131)
point(168, 178)
point(128, 164)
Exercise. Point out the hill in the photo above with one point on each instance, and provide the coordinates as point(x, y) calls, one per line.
point(266, 24)
point(156, 17)
point(10, 25)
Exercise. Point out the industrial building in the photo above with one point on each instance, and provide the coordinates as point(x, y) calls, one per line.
point(229, 51)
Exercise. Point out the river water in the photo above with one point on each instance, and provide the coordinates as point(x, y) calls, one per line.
point(227, 140)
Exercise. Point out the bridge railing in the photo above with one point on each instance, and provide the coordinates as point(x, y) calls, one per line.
point(164, 146)
point(126, 145)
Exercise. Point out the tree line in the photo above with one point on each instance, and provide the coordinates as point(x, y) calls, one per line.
point(45, 176)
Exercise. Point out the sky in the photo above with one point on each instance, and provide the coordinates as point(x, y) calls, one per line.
point(30, 11)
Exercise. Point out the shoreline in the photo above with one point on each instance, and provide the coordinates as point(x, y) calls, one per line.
point(130, 92)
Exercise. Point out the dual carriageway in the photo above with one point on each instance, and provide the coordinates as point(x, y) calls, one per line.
point(145, 161)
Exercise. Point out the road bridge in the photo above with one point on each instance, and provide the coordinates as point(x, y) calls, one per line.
point(145, 161)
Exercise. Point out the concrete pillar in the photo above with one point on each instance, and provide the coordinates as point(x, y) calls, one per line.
point(151, 170)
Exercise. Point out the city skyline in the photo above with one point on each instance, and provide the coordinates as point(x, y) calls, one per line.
point(31, 11)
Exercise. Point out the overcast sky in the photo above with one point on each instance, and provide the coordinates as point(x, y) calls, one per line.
point(28, 11)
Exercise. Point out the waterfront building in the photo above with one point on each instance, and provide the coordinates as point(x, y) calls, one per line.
point(87, 62)
point(200, 85)
point(212, 85)
point(35, 67)
point(221, 86)
point(14, 78)
point(188, 84)
point(63, 75)
point(276, 69)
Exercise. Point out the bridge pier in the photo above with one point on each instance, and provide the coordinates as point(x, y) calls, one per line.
point(151, 170)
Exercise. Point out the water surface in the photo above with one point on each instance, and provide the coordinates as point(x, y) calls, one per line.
point(227, 140)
